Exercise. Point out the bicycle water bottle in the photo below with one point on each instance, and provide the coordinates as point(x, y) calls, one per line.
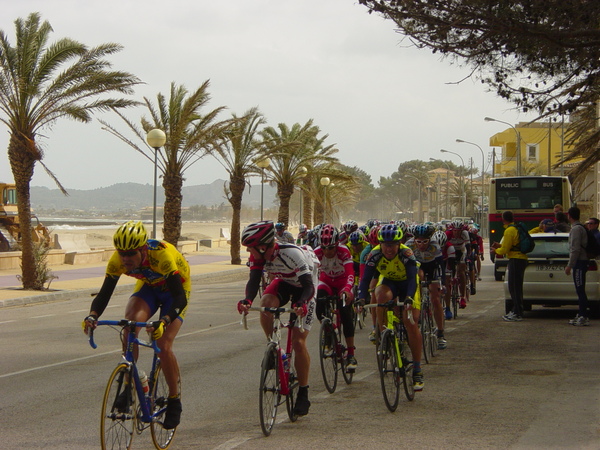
point(144, 382)
point(286, 361)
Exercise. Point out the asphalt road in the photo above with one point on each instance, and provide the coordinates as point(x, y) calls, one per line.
point(533, 384)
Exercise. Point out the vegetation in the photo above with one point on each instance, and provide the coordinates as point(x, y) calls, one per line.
point(40, 83)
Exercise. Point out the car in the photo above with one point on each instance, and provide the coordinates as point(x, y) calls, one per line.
point(546, 283)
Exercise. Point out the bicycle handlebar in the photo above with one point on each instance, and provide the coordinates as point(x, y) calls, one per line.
point(395, 302)
point(123, 323)
point(280, 310)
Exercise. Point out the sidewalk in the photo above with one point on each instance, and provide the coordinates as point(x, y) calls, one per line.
point(84, 280)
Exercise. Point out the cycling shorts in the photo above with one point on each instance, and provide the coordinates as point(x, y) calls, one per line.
point(460, 257)
point(285, 292)
point(157, 298)
point(331, 285)
point(398, 289)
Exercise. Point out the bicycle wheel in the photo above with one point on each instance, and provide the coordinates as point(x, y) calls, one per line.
point(160, 394)
point(327, 355)
point(270, 389)
point(433, 339)
point(407, 375)
point(388, 370)
point(426, 330)
point(455, 300)
point(342, 353)
point(118, 416)
point(293, 385)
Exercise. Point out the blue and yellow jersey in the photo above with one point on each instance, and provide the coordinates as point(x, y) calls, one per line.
point(356, 255)
point(162, 261)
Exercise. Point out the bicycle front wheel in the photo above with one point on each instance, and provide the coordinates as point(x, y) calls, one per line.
point(328, 355)
point(389, 370)
point(161, 437)
point(118, 417)
point(293, 385)
point(270, 389)
point(455, 300)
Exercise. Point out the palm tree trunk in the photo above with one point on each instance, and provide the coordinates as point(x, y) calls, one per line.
point(22, 155)
point(236, 188)
point(172, 184)
point(285, 194)
point(307, 207)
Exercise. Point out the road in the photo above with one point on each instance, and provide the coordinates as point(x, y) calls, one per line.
point(532, 384)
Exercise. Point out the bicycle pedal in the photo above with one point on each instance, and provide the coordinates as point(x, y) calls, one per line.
point(349, 370)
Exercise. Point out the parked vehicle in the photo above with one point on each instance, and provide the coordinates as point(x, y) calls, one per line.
point(545, 280)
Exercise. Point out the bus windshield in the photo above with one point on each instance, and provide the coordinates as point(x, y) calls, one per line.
point(534, 193)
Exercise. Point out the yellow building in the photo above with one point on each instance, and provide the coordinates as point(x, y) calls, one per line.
point(540, 145)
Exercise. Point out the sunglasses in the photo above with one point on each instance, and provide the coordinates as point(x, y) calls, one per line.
point(127, 252)
point(330, 247)
point(422, 241)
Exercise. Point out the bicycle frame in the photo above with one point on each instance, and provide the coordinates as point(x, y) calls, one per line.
point(393, 322)
point(128, 356)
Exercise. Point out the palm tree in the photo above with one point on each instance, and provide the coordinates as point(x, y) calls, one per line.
point(290, 149)
point(237, 152)
point(190, 135)
point(39, 84)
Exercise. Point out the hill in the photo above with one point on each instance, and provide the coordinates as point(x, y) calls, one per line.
point(135, 196)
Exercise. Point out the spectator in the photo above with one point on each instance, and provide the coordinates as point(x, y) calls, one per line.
point(592, 225)
point(558, 208)
point(545, 226)
point(517, 263)
point(562, 222)
point(578, 264)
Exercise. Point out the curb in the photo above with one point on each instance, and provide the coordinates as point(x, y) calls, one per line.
point(236, 274)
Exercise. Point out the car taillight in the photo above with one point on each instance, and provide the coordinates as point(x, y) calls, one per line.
point(592, 265)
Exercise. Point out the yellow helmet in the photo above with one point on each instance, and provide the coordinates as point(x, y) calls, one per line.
point(130, 236)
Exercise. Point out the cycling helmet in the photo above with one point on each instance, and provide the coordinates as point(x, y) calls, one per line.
point(403, 227)
point(280, 226)
point(373, 237)
point(423, 231)
point(328, 236)
point(350, 226)
point(389, 233)
point(357, 238)
point(302, 229)
point(474, 229)
point(364, 229)
point(258, 233)
point(440, 237)
point(411, 230)
point(456, 225)
point(130, 236)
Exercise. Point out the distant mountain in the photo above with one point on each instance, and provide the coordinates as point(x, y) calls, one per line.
point(135, 196)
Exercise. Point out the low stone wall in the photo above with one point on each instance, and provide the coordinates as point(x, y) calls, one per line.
point(12, 260)
point(187, 246)
point(212, 243)
point(89, 257)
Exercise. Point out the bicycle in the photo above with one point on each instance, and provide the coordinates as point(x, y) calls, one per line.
point(278, 379)
point(395, 368)
point(332, 352)
point(427, 324)
point(454, 295)
point(128, 404)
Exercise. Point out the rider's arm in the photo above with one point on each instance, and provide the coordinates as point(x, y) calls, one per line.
point(308, 289)
point(411, 274)
point(365, 280)
point(253, 283)
point(175, 285)
point(102, 298)
point(439, 267)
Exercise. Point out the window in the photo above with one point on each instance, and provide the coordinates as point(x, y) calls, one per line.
point(532, 152)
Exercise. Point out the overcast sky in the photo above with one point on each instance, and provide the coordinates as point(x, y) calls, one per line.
point(379, 100)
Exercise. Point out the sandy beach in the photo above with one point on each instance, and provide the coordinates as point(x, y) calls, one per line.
point(101, 236)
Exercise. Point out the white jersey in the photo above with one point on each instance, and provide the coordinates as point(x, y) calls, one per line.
point(290, 263)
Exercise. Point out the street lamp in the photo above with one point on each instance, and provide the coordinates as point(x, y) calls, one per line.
point(302, 172)
point(462, 177)
point(482, 166)
point(262, 164)
point(489, 119)
point(447, 184)
point(420, 218)
point(155, 138)
point(325, 181)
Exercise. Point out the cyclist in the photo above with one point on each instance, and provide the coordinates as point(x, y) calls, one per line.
point(459, 238)
point(347, 229)
point(282, 234)
point(396, 268)
point(356, 244)
point(163, 277)
point(477, 248)
point(429, 254)
point(302, 238)
point(336, 277)
point(294, 276)
point(373, 242)
point(448, 267)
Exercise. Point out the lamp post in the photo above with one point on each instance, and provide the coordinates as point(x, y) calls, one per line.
point(155, 138)
point(447, 184)
point(325, 181)
point(419, 217)
point(302, 172)
point(462, 177)
point(262, 164)
point(482, 166)
point(489, 119)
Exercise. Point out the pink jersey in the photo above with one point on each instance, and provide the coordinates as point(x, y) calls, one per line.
point(340, 266)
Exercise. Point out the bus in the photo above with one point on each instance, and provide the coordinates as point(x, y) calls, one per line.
point(530, 198)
